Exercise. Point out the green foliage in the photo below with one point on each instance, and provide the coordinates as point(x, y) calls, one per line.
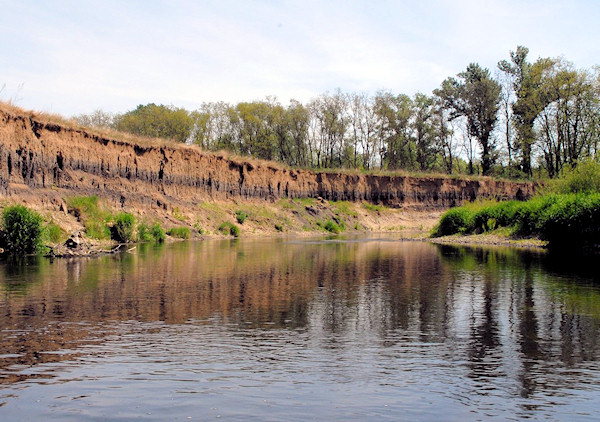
point(83, 205)
point(228, 228)
point(97, 229)
point(278, 227)
point(304, 201)
point(372, 207)
point(565, 221)
point(453, 221)
point(122, 229)
point(241, 216)
point(181, 232)
point(530, 216)
point(332, 227)
point(573, 220)
point(584, 178)
point(344, 207)
point(158, 121)
point(22, 230)
point(199, 228)
point(157, 233)
point(53, 233)
point(286, 204)
point(95, 219)
point(475, 96)
point(143, 233)
point(490, 217)
point(531, 83)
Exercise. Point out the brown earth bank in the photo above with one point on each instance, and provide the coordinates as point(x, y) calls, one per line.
point(43, 162)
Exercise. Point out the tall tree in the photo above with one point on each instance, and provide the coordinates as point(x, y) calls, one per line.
point(530, 83)
point(475, 96)
point(569, 127)
point(444, 135)
point(362, 129)
point(297, 119)
point(394, 114)
point(328, 128)
point(424, 131)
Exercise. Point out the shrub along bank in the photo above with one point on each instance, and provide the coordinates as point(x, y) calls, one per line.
point(567, 216)
point(564, 220)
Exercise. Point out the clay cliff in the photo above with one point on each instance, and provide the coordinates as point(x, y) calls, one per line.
point(50, 160)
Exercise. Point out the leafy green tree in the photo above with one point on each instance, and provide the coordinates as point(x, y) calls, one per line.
point(201, 133)
point(158, 121)
point(122, 230)
point(475, 96)
point(394, 114)
point(328, 128)
point(424, 131)
point(297, 120)
point(569, 127)
point(444, 135)
point(531, 87)
point(257, 137)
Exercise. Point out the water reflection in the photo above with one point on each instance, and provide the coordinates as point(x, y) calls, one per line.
point(474, 328)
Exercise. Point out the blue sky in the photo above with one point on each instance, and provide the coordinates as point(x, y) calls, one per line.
point(72, 57)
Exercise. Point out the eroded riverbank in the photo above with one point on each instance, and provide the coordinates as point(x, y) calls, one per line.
point(43, 163)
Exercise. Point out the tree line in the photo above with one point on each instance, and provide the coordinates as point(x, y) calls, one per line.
point(527, 115)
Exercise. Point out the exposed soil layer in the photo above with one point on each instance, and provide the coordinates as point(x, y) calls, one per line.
point(44, 162)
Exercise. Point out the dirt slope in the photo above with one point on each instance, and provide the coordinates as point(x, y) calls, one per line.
point(42, 162)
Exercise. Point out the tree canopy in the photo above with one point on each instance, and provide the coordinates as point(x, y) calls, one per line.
point(549, 110)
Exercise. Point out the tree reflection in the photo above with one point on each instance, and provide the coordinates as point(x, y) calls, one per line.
point(497, 312)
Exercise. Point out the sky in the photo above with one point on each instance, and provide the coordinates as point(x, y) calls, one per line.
point(75, 56)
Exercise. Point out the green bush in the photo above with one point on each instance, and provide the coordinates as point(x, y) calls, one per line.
point(22, 230)
point(228, 228)
point(331, 227)
point(157, 233)
point(95, 220)
point(181, 232)
point(241, 216)
point(97, 229)
point(531, 214)
point(584, 178)
point(453, 221)
point(497, 215)
point(83, 205)
point(143, 233)
point(572, 221)
point(53, 233)
point(122, 229)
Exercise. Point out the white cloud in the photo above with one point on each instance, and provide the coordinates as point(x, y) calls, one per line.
point(73, 57)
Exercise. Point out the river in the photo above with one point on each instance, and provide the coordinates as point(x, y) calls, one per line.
point(294, 330)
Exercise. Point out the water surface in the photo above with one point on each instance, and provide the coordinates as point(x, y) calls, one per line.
point(296, 330)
